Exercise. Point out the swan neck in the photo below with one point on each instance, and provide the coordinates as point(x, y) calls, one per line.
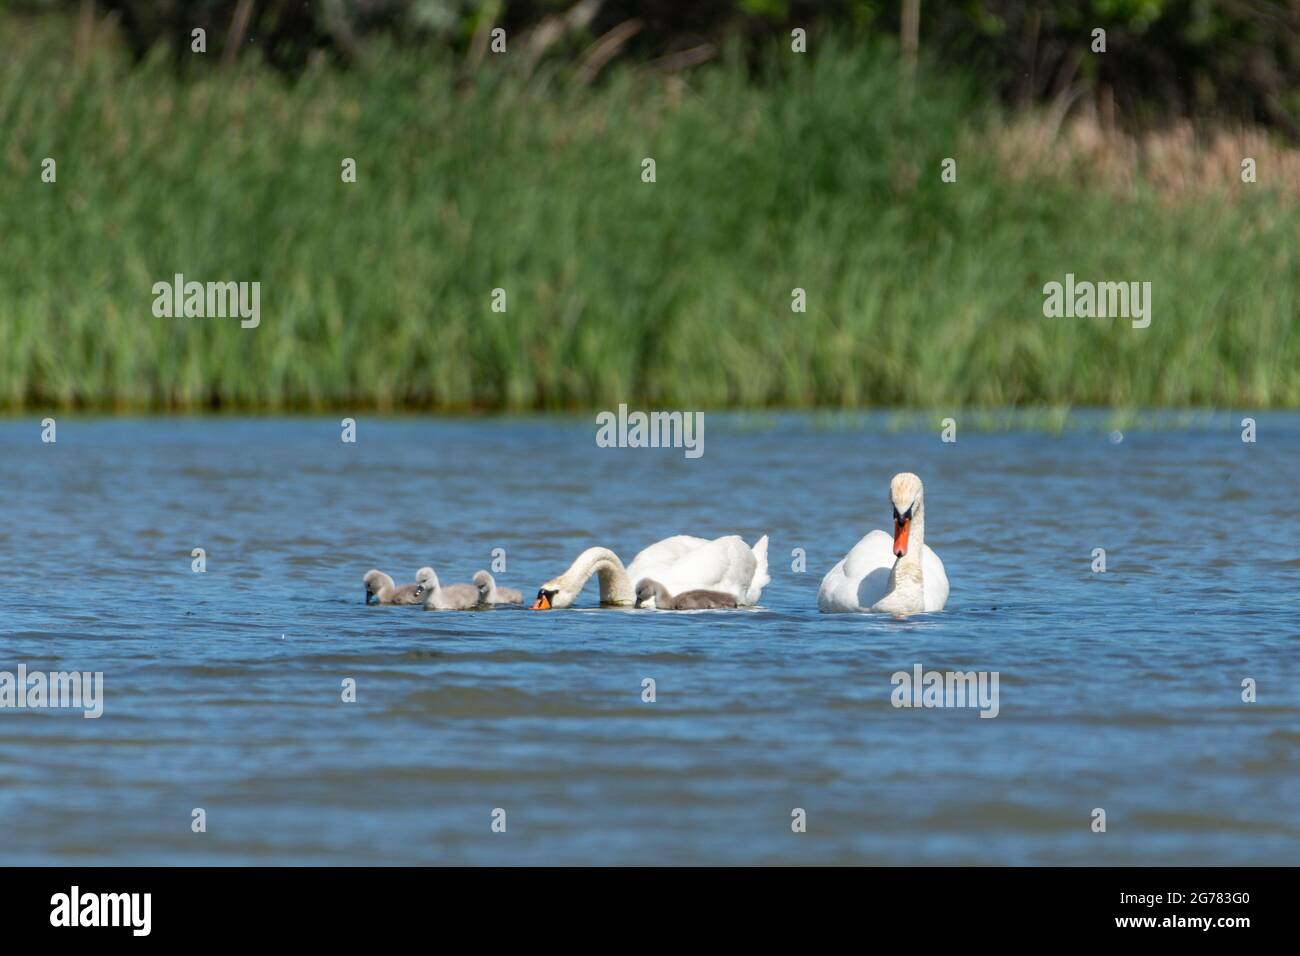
point(916, 537)
point(615, 585)
point(906, 585)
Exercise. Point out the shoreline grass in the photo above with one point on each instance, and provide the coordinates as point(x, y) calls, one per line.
point(818, 174)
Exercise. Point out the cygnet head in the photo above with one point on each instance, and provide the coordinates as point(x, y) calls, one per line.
point(646, 591)
point(426, 580)
point(375, 581)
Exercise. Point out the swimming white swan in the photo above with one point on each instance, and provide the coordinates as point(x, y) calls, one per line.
point(686, 563)
point(680, 563)
point(898, 574)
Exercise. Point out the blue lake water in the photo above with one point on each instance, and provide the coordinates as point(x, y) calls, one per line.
point(222, 690)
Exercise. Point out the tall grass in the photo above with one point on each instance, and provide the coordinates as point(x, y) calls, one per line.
point(818, 174)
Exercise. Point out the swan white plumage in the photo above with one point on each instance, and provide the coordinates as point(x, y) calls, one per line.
point(686, 563)
point(898, 574)
point(680, 563)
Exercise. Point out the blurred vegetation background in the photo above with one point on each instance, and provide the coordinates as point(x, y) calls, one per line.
point(775, 170)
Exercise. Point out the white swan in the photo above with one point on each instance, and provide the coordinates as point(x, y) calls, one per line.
point(680, 563)
point(899, 574)
point(686, 563)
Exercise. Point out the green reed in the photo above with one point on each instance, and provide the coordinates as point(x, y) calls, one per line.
point(816, 172)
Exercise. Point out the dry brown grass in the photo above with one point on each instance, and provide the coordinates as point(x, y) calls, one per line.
point(1180, 164)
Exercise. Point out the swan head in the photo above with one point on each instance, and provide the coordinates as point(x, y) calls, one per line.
point(554, 594)
point(562, 591)
point(905, 495)
point(375, 581)
point(426, 580)
point(483, 581)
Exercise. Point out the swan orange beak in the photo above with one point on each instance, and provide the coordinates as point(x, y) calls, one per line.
point(901, 526)
point(543, 603)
